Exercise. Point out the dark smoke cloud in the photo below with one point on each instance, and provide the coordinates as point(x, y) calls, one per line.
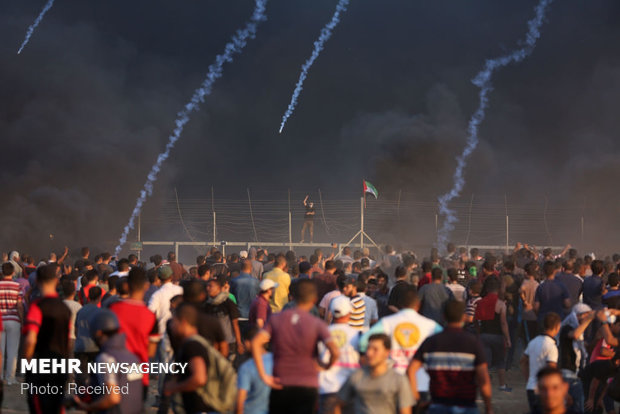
point(91, 101)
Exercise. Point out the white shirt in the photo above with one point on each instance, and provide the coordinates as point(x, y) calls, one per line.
point(540, 351)
point(346, 338)
point(457, 290)
point(159, 303)
point(407, 329)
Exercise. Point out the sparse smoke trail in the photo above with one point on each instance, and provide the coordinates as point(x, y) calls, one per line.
point(326, 33)
point(34, 25)
point(237, 44)
point(483, 81)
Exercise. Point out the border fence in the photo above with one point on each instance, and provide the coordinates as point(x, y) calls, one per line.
point(406, 220)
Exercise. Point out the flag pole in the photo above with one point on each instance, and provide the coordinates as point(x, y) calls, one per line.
point(362, 202)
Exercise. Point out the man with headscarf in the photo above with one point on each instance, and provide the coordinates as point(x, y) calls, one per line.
point(573, 355)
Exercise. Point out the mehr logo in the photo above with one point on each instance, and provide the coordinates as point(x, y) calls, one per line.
point(72, 366)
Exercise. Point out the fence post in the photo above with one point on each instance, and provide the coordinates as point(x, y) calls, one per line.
point(214, 232)
point(507, 234)
point(176, 250)
point(290, 231)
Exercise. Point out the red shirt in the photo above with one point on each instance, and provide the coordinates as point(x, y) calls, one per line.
point(259, 309)
point(426, 279)
point(83, 296)
point(34, 317)
point(139, 325)
point(294, 338)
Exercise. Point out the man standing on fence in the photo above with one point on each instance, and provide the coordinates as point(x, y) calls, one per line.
point(308, 220)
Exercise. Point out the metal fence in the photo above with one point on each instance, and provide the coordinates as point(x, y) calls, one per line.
point(402, 219)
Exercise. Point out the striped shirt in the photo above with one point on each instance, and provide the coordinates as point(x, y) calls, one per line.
point(358, 313)
point(451, 358)
point(10, 297)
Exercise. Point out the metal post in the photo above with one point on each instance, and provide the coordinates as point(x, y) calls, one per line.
point(362, 223)
point(139, 232)
point(507, 234)
point(507, 223)
point(290, 231)
point(214, 231)
point(176, 250)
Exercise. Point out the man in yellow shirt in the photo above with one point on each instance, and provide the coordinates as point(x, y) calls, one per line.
point(278, 274)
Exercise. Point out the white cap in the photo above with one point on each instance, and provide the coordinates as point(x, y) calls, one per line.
point(243, 254)
point(267, 284)
point(341, 306)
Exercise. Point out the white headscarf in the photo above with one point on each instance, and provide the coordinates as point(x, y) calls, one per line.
point(578, 343)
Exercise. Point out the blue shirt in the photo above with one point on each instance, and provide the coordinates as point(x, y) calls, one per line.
point(551, 295)
point(245, 288)
point(573, 283)
point(257, 400)
point(593, 291)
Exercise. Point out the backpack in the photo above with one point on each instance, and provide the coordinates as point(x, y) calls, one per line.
point(220, 391)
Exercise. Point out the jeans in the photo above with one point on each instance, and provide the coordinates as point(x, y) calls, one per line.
point(575, 390)
point(9, 346)
point(447, 409)
point(164, 354)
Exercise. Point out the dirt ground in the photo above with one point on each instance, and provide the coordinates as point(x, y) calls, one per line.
point(510, 403)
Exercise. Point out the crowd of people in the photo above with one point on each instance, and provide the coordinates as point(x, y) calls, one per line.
point(340, 332)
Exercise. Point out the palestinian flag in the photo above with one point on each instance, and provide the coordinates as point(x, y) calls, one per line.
point(369, 188)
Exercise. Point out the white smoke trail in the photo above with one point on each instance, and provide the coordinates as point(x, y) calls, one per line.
point(319, 44)
point(483, 81)
point(34, 25)
point(237, 44)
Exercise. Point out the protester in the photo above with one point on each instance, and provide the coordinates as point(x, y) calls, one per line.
point(137, 321)
point(46, 331)
point(326, 282)
point(407, 329)
point(208, 383)
point(541, 352)
point(398, 291)
point(12, 309)
point(282, 280)
point(528, 295)
point(294, 335)
point(572, 281)
point(491, 314)
point(573, 354)
point(105, 331)
point(245, 288)
point(308, 220)
point(260, 311)
point(455, 362)
point(68, 290)
point(594, 286)
point(434, 296)
point(551, 295)
point(227, 313)
point(346, 338)
point(253, 393)
point(376, 388)
point(553, 391)
point(458, 290)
